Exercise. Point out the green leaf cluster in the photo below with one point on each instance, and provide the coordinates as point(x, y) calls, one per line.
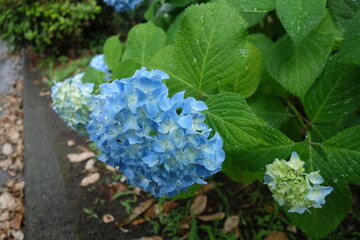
point(285, 82)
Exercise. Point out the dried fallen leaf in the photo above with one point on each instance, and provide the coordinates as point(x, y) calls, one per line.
point(142, 207)
point(292, 228)
point(79, 157)
point(116, 187)
point(70, 143)
point(199, 204)
point(13, 135)
point(138, 221)
point(230, 224)
point(215, 216)
point(89, 166)
point(17, 234)
point(46, 93)
point(152, 238)
point(90, 179)
point(107, 218)
point(276, 235)
point(7, 149)
point(4, 216)
point(156, 209)
point(5, 164)
point(16, 221)
point(110, 168)
point(8, 202)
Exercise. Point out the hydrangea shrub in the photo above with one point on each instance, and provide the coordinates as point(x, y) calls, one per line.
point(123, 5)
point(266, 98)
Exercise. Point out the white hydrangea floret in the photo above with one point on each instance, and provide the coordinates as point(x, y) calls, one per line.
point(292, 187)
point(72, 101)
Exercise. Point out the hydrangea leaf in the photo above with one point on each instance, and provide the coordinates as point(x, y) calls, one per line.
point(273, 144)
point(343, 11)
point(246, 79)
point(270, 108)
point(171, 32)
point(230, 115)
point(92, 75)
point(113, 50)
point(144, 41)
point(210, 41)
point(299, 17)
point(350, 49)
point(297, 67)
point(125, 69)
point(334, 94)
point(338, 160)
point(252, 11)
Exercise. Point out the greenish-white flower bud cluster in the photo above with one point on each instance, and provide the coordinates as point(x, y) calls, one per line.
point(292, 187)
point(72, 100)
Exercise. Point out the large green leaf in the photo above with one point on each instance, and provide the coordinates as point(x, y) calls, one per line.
point(230, 115)
point(297, 67)
point(125, 69)
point(299, 17)
point(209, 44)
point(252, 11)
point(93, 75)
point(334, 94)
point(144, 41)
point(343, 11)
point(113, 50)
point(270, 108)
point(350, 49)
point(247, 77)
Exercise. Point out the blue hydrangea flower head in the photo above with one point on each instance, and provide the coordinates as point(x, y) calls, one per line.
point(292, 187)
point(161, 144)
point(98, 62)
point(72, 101)
point(123, 5)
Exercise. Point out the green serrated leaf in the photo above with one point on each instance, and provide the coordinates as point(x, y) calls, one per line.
point(171, 32)
point(297, 67)
point(246, 79)
point(144, 41)
point(93, 75)
point(299, 17)
point(334, 94)
point(113, 50)
point(230, 115)
point(208, 43)
point(236, 173)
point(270, 108)
point(350, 49)
point(327, 26)
point(125, 69)
point(252, 11)
point(343, 11)
point(273, 144)
point(180, 3)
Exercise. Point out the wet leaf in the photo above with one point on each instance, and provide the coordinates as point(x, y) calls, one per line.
point(199, 204)
point(156, 209)
point(215, 216)
point(230, 224)
point(90, 179)
point(9, 202)
point(138, 221)
point(79, 157)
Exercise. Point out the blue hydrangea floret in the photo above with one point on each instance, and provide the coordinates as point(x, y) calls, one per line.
point(98, 62)
point(161, 144)
point(123, 5)
point(72, 101)
point(292, 187)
